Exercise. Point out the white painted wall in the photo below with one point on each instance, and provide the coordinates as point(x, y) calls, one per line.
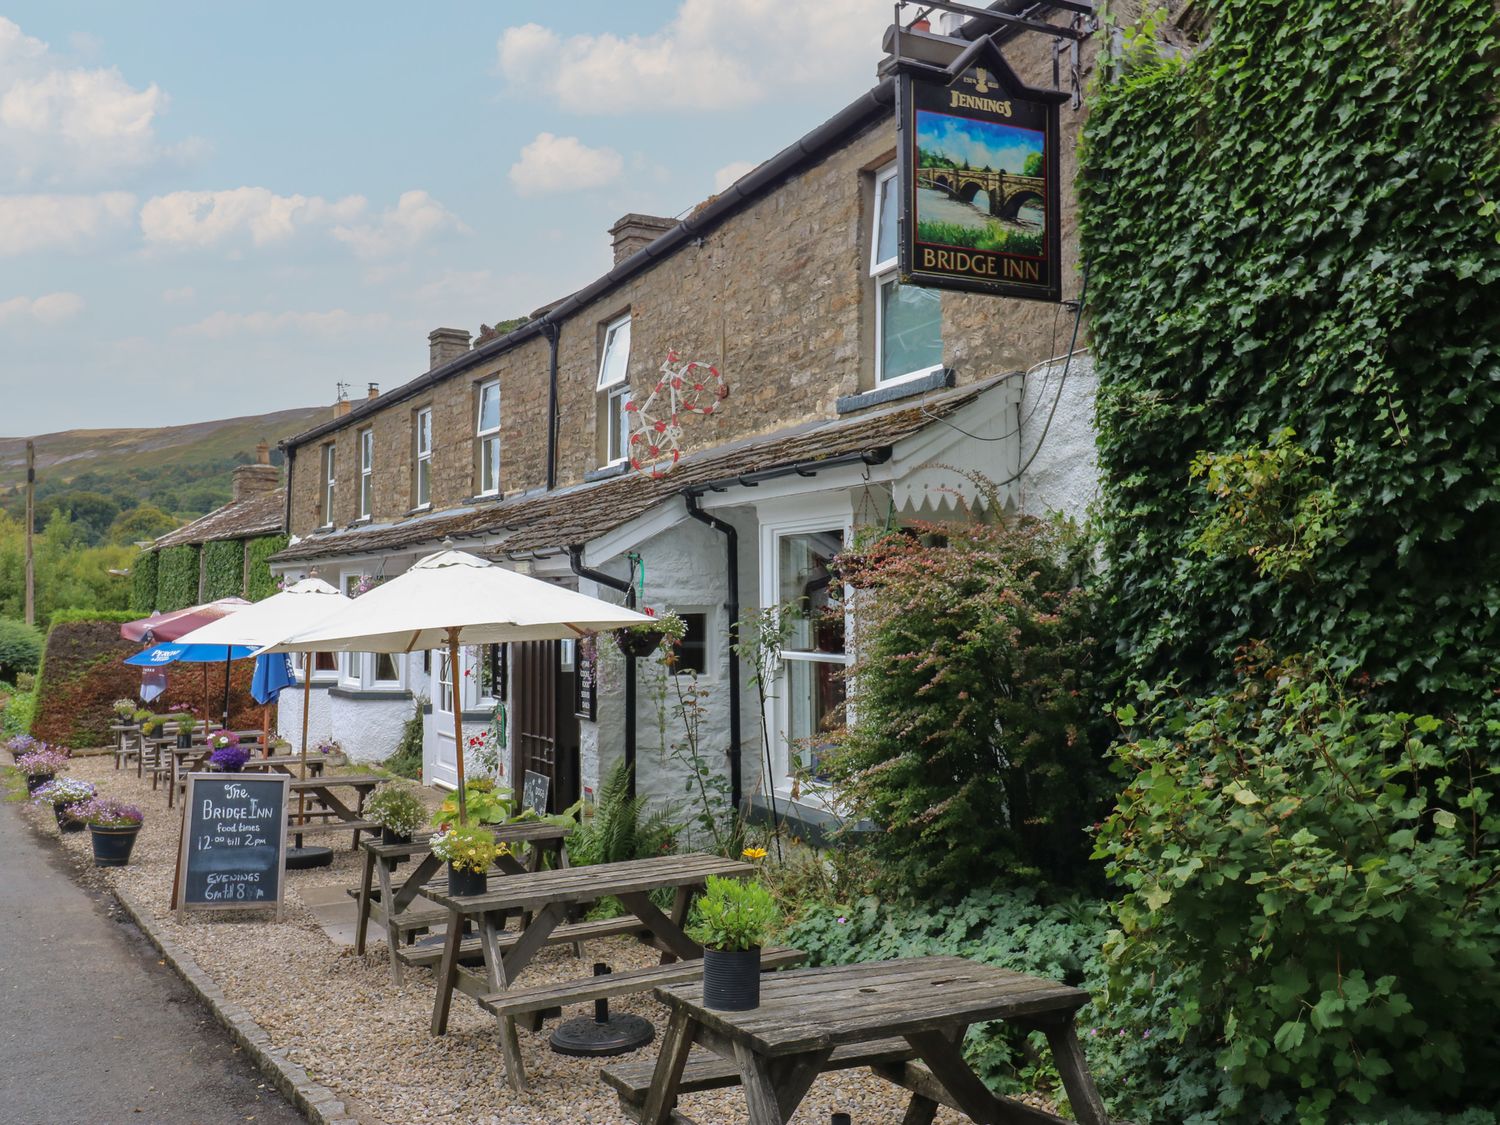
point(1064, 477)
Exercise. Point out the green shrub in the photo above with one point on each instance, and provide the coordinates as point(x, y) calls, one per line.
point(223, 569)
point(20, 648)
point(407, 759)
point(19, 711)
point(619, 827)
point(177, 578)
point(973, 746)
point(143, 577)
point(733, 915)
point(261, 582)
point(1315, 882)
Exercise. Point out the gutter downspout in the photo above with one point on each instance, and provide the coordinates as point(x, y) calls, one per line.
point(290, 454)
point(732, 552)
point(575, 562)
point(552, 330)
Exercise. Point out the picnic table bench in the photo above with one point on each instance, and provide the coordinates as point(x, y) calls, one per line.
point(127, 742)
point(390, 905)
point(549, 896)
point(905, 1019)
point(329, 812)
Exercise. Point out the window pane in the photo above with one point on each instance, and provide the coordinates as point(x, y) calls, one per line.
point(692, 651)
point(385, 668)
point(489, 407)
point(911, 329)
point(366, 450)
point(364, 495)
point(885, 219)
point(619, 426)
point(424, 481)
point(424, 432)
point(616, 359)
point(815, 696)
point(489, 465)
point(807, 585)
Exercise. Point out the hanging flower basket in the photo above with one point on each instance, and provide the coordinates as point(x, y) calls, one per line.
point(639, 641)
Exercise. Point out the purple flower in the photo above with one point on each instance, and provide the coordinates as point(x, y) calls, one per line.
point(228, 759)
point(107, 812)
point(842, 919)
point(42, 763)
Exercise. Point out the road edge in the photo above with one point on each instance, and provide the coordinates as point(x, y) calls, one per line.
point(321, 1105)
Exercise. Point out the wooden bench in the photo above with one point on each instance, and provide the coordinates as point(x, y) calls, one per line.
point(706, 1071)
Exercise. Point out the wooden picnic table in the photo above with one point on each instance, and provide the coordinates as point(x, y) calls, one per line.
point(549, 896)
point(904, 1019)
point(188, 759)
point(390, 904)
point(333, 813)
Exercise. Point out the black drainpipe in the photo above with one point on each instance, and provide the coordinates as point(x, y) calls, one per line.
point(289, 454)
point(732, 551)
point(552, 331)
point(624, 585)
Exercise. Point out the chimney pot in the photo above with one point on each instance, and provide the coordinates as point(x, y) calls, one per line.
point(634, 231)
point(373, 391)
point(445, 345)
point(262, 454)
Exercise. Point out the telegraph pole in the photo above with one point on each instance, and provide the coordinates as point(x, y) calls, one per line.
point(30, 526)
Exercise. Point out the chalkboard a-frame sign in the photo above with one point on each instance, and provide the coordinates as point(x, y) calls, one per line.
point(978, 175)
point(233, 850)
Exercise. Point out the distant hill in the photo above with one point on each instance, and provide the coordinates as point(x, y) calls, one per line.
point(184, 470)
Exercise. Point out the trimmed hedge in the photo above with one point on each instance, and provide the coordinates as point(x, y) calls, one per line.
point(261, 582)
point(177, 580)
point(223, 569)
point(143, 576)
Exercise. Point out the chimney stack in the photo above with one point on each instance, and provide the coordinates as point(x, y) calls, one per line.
point(634, 232)
point(444, 345)
point(256, 479)
point(372, 391)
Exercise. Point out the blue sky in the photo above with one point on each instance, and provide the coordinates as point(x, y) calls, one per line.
point(981, 143)
point(209, 210)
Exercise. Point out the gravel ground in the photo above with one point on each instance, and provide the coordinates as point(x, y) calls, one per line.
point(338, 1015)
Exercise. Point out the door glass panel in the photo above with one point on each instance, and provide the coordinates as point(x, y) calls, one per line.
point(807, 584)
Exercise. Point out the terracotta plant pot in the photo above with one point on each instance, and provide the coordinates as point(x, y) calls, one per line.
point(112, 846)
point(462, 881)
point(731, 979)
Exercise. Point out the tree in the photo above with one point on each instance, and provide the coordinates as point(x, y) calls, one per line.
point(146, 521)
point(1033, 165)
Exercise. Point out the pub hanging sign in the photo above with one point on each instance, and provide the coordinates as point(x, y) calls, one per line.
point(979, 181)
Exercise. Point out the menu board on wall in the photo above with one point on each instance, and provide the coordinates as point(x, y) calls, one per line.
point(585, 679)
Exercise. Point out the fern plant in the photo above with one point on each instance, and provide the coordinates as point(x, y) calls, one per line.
point(620, 826)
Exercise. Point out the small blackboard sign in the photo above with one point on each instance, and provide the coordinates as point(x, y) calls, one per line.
point(534, 792)
point(233, 850)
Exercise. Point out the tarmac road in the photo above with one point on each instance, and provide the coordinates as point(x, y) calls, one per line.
point(93, 1029)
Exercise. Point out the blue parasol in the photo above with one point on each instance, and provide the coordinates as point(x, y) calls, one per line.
point(273, 673)
point(161, 654)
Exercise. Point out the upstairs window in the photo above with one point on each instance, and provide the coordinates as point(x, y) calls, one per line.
point(487, 435)
point(908, 318)
point(329, 478)
point(366, 469)
point(614, 387)
point(423, 483)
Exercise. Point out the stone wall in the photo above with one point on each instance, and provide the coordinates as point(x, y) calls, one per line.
point(779, 295)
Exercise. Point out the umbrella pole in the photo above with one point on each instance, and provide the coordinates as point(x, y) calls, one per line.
point(205, 700)
point(265, 730)
point(309, 661)
point(226, 687)
point(454, 674)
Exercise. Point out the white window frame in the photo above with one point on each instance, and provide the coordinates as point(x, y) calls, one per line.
point(804, 515)
point(423, 423)
point(614, 383)
point(320, 675)
point(366, 470)
point(442, 691)
point(883, 272)
point(357, 669)
point(330, 479)
point(710, 649)
point(488, 439)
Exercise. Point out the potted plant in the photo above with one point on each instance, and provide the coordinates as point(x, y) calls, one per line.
point(397, 810)
point(21, 744)
point(124, 709)
point(732, 920)
point(333, 751)
point(140, 716)
point(487, 803)
point(61, 794)
point(647, 637)
point(114, 826)
point(41, 766)
point(153, 725)
point(469, 851)
point(185, 727)
point(227, 756)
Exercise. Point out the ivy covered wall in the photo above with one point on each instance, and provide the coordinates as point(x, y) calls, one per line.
point(223, 569)
point(1297, 230)
point(177, 578)
point(143, 578)
point(261, 583)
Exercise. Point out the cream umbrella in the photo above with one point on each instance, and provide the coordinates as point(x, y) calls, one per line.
point(453, 598)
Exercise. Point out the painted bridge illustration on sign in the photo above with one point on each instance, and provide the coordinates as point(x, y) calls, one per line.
point(1008, 193)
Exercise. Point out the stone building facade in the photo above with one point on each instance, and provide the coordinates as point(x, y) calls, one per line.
point(773, 283)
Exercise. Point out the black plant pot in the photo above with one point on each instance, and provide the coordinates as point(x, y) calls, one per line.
point(66, 823)
point(112, 845)
point(36, 781)
point(643, 643)
point(466, 882)
point(731, 979)
point(389, 837)
point(184, 740)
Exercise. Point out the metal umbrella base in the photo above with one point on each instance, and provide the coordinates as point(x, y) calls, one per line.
point(602, 1034)
point(300, 859)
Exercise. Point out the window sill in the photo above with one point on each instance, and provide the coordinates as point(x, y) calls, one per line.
point(481, 497)
point(389, 693)
point(607, 472)
point(419, 509)
point(897, 389)
point(361, 522)
point(808, 823)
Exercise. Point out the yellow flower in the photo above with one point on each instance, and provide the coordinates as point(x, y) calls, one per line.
point(754, 853)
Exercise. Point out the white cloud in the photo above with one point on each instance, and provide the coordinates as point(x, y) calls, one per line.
point(50, 222)
point(712, 55)
point(731, 172)
point(553, 164)
point(415, 218)
point(333, 323)
point(47, 309)
point(182, 293)
point(60, 123)
point(194, 219)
